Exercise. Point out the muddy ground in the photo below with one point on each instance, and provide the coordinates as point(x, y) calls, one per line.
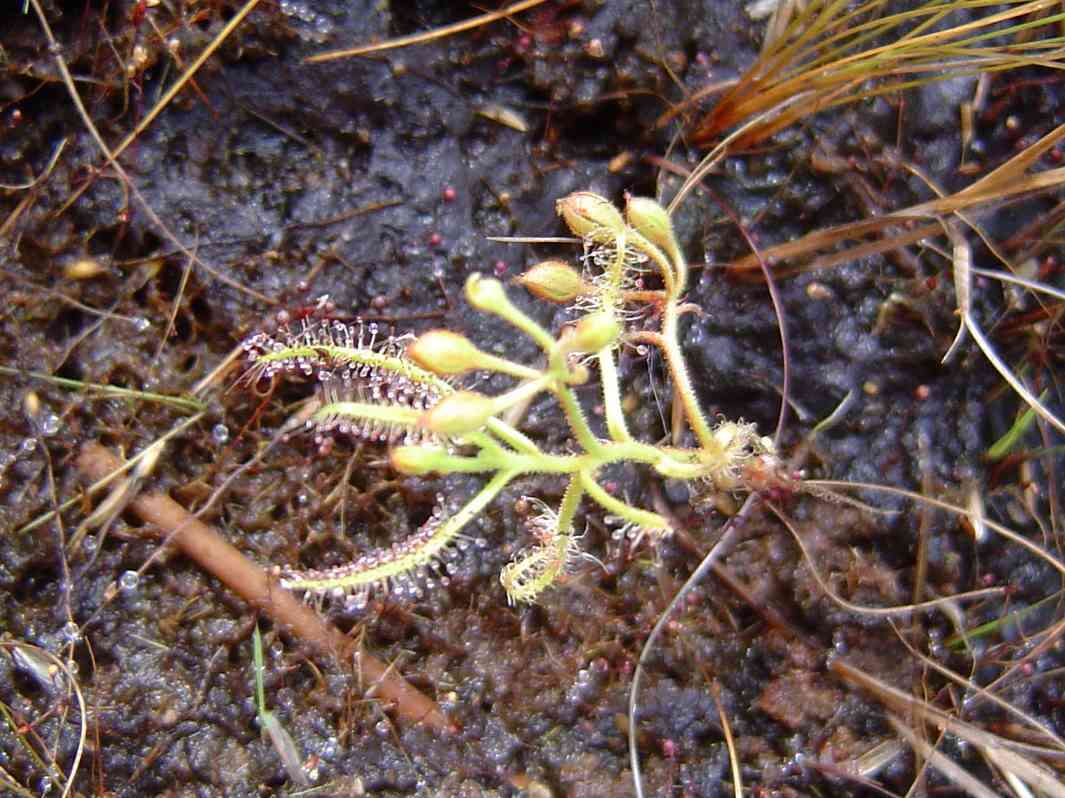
point(376, 181)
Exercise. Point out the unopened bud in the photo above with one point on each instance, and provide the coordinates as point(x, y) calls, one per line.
point(459, 413)
point(652, 221)
point(444, 352)
point(555, 281)
point(590, 216)
point(594, 332)
point(416, 460)
point(485, 293)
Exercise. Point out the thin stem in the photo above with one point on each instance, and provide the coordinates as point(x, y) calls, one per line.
point(512, 437)
point(571, 500)
point(615, 417)
point(642, 518)
point(577, 422)
point(670, 280)
point(667, 342)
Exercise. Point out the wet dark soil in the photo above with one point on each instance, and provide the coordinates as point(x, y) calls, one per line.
point(377, 180)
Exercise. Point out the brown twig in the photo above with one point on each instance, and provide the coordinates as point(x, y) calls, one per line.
point(221, 559)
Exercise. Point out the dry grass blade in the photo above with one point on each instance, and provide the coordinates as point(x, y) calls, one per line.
point(254, 585)
point(421, 38)
point(730, 743)
point(1005, 750)
point(58, 666)
point(973, 196)
point(954, 772)
point(883, 612)
point(43, 175)
point(962, 260)
point(828, 53)
point(1051, 737)
point(723, 545)
point(1014, 381)
point(68, 81)
point(1004, 531)
point(1031, 285)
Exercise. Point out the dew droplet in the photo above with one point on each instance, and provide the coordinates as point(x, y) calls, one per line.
point(129, 580)
point(140, 324)
point(27, 445)
point(50, 424)
point(71, 632)
point(220, 433)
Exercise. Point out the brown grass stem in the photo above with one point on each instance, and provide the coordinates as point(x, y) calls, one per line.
point(252, 583)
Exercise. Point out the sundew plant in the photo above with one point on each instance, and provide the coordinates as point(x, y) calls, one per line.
point(408, 393)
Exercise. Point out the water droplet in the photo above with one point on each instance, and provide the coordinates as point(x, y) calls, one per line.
point(128, 581)
point(140, 324)
point(27, 445)
point(220, 433)
point(71, 632)
point(50, 424)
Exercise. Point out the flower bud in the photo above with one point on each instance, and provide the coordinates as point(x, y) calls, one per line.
point(555, 281)
point(594, 332)
point(444, 352)
point(416, 460)
point(485, 293)
point(590, 216)
point(458, 413)
point(652, 221)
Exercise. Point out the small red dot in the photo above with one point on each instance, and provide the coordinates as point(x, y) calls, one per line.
point(436, 240)
point(449, 194)
point(922, 392)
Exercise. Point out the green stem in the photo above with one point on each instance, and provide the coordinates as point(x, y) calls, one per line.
point(670, 280)
point(615, 417)
point(578, 423)
point(523, 392)
point(681, 381)
point(181, 402)
point(571, 500)
point(489, 362)
point(512, 437)
point(642, 518)
point(511, 314)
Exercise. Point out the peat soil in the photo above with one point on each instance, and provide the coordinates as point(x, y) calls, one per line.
point(377, 180)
